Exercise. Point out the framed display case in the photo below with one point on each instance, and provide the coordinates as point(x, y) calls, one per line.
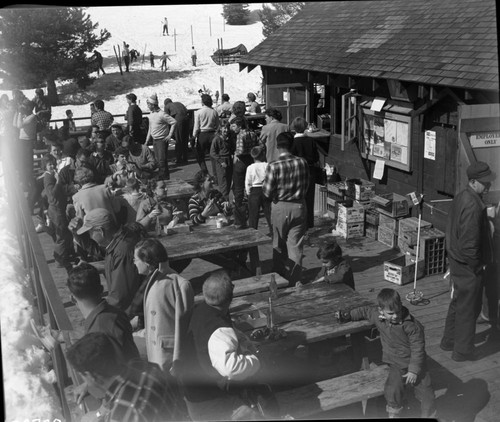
point(386, 136)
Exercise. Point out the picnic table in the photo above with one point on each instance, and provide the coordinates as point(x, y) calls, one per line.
point(178, 189)
point(206, 240)
point(306, 315)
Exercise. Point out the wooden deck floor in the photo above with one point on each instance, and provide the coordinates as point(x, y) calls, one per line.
point(465, 392)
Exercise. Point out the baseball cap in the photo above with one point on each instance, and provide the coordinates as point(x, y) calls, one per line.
point(481, 172)
point(98, 217)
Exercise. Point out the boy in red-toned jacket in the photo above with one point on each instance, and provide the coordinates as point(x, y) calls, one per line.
point(403, 349)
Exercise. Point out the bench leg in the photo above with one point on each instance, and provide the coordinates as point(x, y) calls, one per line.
point(365, 364)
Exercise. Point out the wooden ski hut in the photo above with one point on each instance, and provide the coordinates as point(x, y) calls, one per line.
point(412, 85)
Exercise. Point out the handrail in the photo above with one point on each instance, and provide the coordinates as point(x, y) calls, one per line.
point(47, 299)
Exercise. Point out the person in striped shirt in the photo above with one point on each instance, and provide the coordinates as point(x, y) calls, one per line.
point(285, 184)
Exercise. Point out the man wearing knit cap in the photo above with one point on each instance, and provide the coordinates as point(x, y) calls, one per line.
point(468, 244)
point(161, 129)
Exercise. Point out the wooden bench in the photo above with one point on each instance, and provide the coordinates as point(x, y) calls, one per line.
point(332, 393)
point(246, 286)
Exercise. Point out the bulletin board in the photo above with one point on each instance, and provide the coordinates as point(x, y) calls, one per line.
point(386, 136)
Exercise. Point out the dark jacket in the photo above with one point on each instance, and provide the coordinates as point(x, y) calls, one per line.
point(403, 345)
point(115, 323)
point(55, 193)
point(467, 231)
point(121, 274)
point(201, 379)
point(341, 273)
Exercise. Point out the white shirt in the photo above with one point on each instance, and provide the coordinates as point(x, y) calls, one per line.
point(225, 348)
point(255, 175)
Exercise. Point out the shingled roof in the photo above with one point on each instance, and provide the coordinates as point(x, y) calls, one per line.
point(438, 42)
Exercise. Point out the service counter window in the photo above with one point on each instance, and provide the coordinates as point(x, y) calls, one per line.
point(386, 136)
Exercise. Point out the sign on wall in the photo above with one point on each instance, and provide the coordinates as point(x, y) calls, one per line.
point(485, 139)
point(430, 145)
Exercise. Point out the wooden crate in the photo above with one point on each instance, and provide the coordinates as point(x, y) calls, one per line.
point(360, 189)
point(389, 223)
point(353, 214)
point(392, 204)
point(338, 188)
point(401, 270)
point(372, 216)
point(350, 230)
point(371, 231)
point(387, 237)
point(410, 224)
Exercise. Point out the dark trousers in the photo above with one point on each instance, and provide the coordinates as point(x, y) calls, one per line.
point(193, 59)
point(395, 386)
point(289, 228)
point(165, 29)
point(491, 292)
point(239, 173)
point(310, 203)
point(24, 162)
point(181, 136)
point(160, 148)
point(224, 176)
point(63, 240)
point(465, 306)
point(203, 148)
point(256, 201)
point(126, 60)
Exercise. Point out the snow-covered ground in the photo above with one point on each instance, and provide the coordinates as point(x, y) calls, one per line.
point(28, 393)
point(141, 28)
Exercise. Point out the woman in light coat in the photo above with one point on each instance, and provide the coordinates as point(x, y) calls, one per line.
point(168, 303)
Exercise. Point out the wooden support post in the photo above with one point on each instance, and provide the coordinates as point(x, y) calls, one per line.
point(222, 52)
point(118, 59)
point(210, 25)
point(221, 85)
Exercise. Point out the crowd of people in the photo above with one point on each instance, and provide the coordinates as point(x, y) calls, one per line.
point(104, 194)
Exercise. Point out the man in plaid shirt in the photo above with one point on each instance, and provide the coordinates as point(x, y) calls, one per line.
point(134, 391)
point(103, 119)
point(286, 184)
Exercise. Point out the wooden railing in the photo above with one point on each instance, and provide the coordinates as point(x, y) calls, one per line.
point(48, 305)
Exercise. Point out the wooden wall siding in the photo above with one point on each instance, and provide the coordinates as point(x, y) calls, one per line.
point(285, 76)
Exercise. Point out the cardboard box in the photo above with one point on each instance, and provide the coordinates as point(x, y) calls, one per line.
point(338, 188)
point(392, 204)
point(401, 270)
point(360, 189)
point(353, 214)
point(350, 230)
point(387, 237)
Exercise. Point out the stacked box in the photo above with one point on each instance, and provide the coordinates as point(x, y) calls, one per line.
point(401, 270)
point(354, 214)
point(371, 231)
point(392, 204)
point(365, 204)
point(388, 223)
point(360, 189)
point(350, 230)
point(338, 188)
point(372, 216)
point(408, 230)
point(387, 237)
point(433, 250)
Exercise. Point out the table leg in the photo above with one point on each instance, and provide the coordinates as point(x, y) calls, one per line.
point(358, 348)
point(254, 260)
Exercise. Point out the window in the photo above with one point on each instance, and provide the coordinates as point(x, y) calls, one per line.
point(386, 136)
point(290, 99)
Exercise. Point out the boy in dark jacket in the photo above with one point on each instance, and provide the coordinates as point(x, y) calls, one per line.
point(403, 349)
point(56, 197)
point(335, 269)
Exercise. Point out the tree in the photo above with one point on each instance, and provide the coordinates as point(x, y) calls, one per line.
point(235, 13)
point(42, 45)
point(280, 13)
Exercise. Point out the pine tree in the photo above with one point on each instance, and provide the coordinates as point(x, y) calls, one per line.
point(236, 13)
point(280, 13)
point(42, 45)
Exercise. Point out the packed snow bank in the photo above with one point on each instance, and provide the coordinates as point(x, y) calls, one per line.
point(29, 393)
